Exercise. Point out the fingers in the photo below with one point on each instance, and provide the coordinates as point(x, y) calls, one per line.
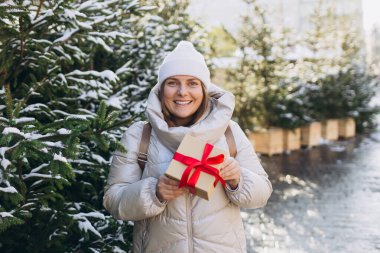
point(169, 181)
point(168, 184)
point(228, 161)
point(231, 172)
point(167, 189)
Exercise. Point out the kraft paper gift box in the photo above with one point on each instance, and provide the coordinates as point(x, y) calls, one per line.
point(194, 150)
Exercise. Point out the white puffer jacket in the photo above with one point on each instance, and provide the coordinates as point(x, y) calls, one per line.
point(187, 224)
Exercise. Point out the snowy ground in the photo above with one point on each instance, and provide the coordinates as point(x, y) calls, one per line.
point(325, 199)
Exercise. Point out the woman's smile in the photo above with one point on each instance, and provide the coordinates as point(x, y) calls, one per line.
point(182, 103)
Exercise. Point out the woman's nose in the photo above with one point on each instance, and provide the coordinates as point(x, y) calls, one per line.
point(182, 89)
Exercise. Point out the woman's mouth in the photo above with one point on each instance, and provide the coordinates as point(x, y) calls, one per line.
point(182, 102)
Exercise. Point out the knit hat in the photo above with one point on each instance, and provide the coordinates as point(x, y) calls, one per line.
point(184, 60)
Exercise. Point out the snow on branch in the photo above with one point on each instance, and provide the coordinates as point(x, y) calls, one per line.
point(106, 74)
point(113, 34)
point(39, 167)
point(12, 130)
point(24, 120)
point(63, 131)
point(85, 225)
point(57, 144)
point(66, 35)
point(100, 42)
point(79, 117)
point(60, 158)
point(48, 13)
point(5, 214)
point(72, 14)
point(4, 163)
point(81, 161)
point(41, 176)
point(35, 136)
point(33, 107)
point(9, 189)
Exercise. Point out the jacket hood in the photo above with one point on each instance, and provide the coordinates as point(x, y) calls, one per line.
point(209, 128)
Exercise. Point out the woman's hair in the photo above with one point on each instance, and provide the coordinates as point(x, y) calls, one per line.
point(169, 118)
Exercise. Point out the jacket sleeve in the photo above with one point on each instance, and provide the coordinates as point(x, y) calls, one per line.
point(254, 188)
point(127, 196)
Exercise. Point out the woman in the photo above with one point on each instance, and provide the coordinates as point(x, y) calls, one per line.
point(167, 218)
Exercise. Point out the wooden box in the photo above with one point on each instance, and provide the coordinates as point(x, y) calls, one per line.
point(292, 139)
point(330, 130)
point(268, 142)
point(311, 135)
point(347, 128)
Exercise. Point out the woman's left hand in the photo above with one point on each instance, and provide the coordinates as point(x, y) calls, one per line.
point(230, 172)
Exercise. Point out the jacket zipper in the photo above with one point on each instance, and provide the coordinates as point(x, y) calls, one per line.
point(189, 223)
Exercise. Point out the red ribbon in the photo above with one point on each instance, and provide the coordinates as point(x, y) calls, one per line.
point(199, 166)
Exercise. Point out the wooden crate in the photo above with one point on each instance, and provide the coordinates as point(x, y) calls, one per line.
point(330, 129)
point(268, 142)
point(311, 134)
point(347, 128)
point(292, 139)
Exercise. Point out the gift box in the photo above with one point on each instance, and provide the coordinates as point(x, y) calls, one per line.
point(196, 165)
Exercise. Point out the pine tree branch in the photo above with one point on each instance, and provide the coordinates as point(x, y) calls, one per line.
point(25, 99)
point(3, 76)
point(22, 44)
point(22, 48)
point(39, 9)
point(118, 124)
point(9, 101)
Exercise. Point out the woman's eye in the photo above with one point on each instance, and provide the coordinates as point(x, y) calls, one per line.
point(171, 83)
point(193, 84)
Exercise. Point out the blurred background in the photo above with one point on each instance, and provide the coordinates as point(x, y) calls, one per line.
point(305, 74)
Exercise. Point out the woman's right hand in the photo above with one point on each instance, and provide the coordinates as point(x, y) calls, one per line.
point(167, 189)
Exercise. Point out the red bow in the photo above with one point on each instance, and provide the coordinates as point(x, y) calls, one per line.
point(200, 166)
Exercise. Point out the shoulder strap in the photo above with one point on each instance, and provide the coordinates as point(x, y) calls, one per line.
point(144, 144)
point(230, 141)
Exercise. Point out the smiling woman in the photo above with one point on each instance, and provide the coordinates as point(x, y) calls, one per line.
point(183, 100)
point(168, 218)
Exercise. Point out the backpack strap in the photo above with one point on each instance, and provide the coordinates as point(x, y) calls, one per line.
point(142, 157)
point(230, 141)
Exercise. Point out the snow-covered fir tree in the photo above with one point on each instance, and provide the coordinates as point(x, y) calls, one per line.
point(257, 80)
point(74, 74)
point(336, 82)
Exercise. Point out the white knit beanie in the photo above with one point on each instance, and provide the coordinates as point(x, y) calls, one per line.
point(184, 60)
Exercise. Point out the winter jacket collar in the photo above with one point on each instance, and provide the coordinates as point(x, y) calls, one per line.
point(210, 127)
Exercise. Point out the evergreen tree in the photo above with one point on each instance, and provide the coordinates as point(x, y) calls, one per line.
point(346, 94)
point(56, 134)
point(335, 40)
point(222, 43)
point(340, 86)
point(257, 81)
point(74, 74)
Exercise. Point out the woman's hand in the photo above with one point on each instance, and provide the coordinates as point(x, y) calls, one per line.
point(230, 172)
point(167, 189)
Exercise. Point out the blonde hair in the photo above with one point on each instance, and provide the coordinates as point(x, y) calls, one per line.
point(170, 119)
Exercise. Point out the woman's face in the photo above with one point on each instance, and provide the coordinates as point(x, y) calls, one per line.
point(182, 97)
